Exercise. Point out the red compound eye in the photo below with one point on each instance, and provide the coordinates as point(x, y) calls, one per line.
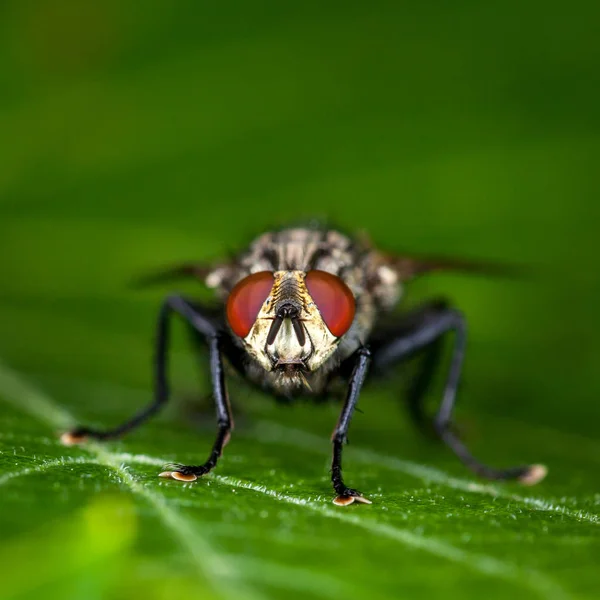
point(333, 299)
point(246, 299)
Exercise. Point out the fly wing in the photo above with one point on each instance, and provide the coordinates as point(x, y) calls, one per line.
point(189, 270)
point(407, 267)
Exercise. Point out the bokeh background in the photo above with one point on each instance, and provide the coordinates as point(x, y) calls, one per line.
point(138, 134)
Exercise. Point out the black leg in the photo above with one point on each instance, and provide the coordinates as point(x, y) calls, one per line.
point(206, 328)
point(346, 495)
point(420, 385)
point(429, 358)
point(427, 327)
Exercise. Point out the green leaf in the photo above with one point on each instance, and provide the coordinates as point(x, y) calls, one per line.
point(264, 523)
point(133, 139)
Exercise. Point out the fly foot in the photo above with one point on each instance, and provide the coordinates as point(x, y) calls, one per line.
point(183, 473)
point(77, 436)
point(347, 496)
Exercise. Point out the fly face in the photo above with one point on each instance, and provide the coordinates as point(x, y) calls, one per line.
point(291, 321)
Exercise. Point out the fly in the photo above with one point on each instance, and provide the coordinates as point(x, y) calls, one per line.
point(299, 309)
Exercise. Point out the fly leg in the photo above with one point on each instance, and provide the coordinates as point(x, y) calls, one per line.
point(427, 326)
point(429, 359)
point(346, 495)
point(419, 386)
point(211, 333)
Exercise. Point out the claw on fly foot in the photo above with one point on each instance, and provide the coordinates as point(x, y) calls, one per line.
point(178, 476)
point(348, 500)
point(72, 439)
point(534, 474)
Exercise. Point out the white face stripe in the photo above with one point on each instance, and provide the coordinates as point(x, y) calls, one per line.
point(286, 346)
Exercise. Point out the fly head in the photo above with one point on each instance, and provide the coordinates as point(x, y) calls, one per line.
point(290, 321)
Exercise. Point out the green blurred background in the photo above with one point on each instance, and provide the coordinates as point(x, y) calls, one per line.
point(138, 134)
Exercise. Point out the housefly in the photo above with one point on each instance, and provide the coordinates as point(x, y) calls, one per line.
point(299, 309)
